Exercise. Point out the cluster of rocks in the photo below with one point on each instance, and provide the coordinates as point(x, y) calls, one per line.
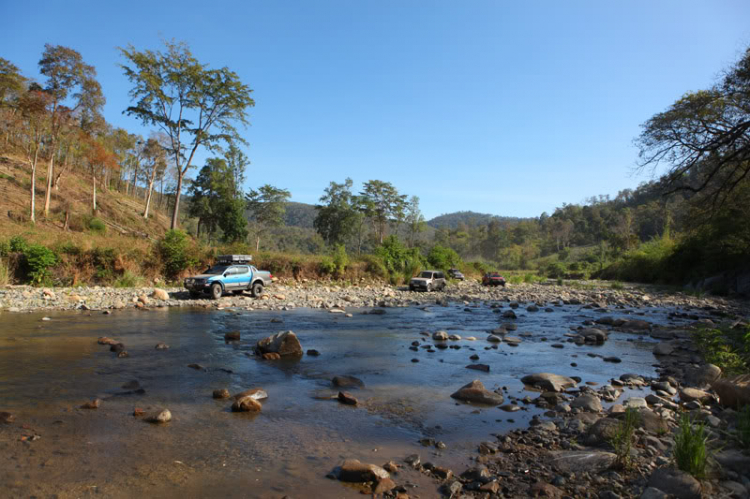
point(533, 298)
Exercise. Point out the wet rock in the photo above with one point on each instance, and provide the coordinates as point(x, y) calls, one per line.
point(479, 367)
point(221, 394)
point(313, 353)
point(476, 393)
point(636, 403)
point(7, 417)
point(232, 336)
point(197, 367)
point(509, 314)
point(246, 404)
point(163, 416)
point(733, 392)
point(356, 472)
point(116, 347)
point(610, 393)
point(602, 431)
point(542, 489)
point(593, 335)
point(440, 336)
point(590, 461)
point(161, 346)
point(271, 356)
point(347, 398)
point(413, 460)
point(92, 404)
point(510, 407)
point(676, 483)
point(391, 467)
point(284, 343)
point(382, 486)
point(664, 348)
point(587, 402)
point(442, 473)
point(347, 382)
point(494, 339)
point(454, 337)
point(253, 393)
point(549, 382)
point(122, 354)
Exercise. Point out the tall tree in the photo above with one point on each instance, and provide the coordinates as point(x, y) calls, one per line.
point(414, 220)
point(156, 161)
point(337, 217)
point(267, 207)
point(193, 105)
point(237, 162)
point(384, 204)
point(67, 76)
point(33, 108)
point(704, 138)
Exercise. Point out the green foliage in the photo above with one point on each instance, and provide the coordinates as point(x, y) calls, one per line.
point(18, 244)
point(97, 226)
point(563, 254)
point(617, 285)
point(374, 266)
point(128, 280)
point(443, 258)
point(39, 260)
point(727, 348)
point(690, 452)
point(337, 218)
point(555, 270)
point(340, 259)
point(398, 259)
point(69, 248)
point(266, 207)
point(174, 250)
point(622, 440)
point(647, 263)
point(326, 266)
point(4, 248)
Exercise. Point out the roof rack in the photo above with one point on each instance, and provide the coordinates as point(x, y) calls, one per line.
point(232, 259)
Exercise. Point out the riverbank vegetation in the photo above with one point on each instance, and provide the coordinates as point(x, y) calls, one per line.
point(117, 208)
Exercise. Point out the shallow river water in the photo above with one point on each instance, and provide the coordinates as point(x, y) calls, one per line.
point(48, 368)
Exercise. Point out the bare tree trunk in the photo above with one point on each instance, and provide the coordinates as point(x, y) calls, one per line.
point(176, 201)
point(150, 190)
point(33, 183)
point(257, 243)
point(67, 219)
point(93, 183)
point(50, 171)
point(56, 182)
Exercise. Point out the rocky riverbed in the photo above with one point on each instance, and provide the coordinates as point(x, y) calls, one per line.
point(473, 392)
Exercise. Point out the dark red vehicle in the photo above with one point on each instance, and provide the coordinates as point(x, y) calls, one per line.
point(493, 279)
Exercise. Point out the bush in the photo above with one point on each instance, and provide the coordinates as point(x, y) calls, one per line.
point(563, 254)
point(443, 258)
point(690, 451)
point(374, 266)
point(4, 248)
point(340, 259)
point(18, 244)
point(69, 248)
point(97, 226)
point(555, 270)
point(39, 260)
point(326, 266)
point(174, 249)
point(727, 348)
point(128, 280)
point(397, 258)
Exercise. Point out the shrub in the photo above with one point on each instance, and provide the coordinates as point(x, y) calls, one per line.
point(690, 451)
point(727, 348)
point(622, 440)
point(443, 258)
point(374, 266)
point(340, 259)
point(555, 270)
point(398, 259)
point(69, 248)
point(39, 260)
point(174, 249)
point(97, 226)
point(563, 254)
point(617, 285)
point(4, 248)
point(18, 244)
point(326, 266)
point(128, 280)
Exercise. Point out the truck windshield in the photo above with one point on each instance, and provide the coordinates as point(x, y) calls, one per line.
point(426, 275)
point(216, 270)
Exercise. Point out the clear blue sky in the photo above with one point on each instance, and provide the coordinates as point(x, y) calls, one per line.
point(490, 106)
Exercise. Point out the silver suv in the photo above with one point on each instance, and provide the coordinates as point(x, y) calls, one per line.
point(428, 280)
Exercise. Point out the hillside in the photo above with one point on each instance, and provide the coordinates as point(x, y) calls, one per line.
point(300, 215)
point(468, 218)
point(121, 213)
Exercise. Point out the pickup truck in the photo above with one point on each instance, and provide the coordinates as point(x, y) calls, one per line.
point(231, 274)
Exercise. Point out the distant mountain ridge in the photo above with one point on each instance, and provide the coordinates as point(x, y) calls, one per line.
point(303, 215)
point(468, 218)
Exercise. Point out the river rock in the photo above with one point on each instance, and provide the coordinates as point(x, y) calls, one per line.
point(253, 393)
point(92, 404)
point(7, 417)
point(593, 335)
point(587, 402)
point(246, 404)
point(733, 392)
point(664, 348)
point(589, 461)
point(440, 336)
point(161, 346)
point(354, 471)
point(347, 382)
point(221, 394)
point(347, 398)
point(676, 483)
point(479, 367)
point(549, 382)
point(635, 403)
point(476, 393)
point(283, 343)
point(543, 489)
point(163, 416)
point(494, 339)
point(160, 294)
point(690, 394)
point(232, 336)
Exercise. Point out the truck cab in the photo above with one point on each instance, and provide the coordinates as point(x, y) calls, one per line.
point(230, 274)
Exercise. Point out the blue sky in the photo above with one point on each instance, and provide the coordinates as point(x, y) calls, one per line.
point(491, 106)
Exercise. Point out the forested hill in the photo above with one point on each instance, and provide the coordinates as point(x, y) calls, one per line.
point(300, 215)
point(468, 218)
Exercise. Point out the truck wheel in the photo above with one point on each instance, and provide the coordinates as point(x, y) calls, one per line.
point(195, 294)
point(257, 289)
point(216, 291)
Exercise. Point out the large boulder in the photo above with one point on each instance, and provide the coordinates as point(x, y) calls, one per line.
point(733, 392)
point(587, 402)
point(593, 335)
point(702, 376)
point(549, 382)
point(476, 393)
point(283, 343)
